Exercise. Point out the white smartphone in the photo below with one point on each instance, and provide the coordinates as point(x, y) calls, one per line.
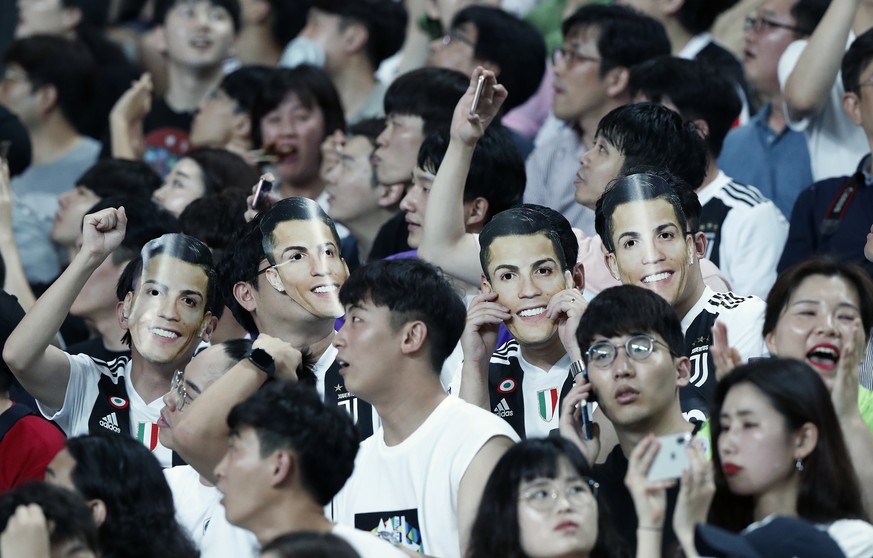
point(479, 86)
point(671, 459)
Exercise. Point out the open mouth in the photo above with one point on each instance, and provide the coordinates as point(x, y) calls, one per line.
point(657, 277)
point(532, 312)
point(165, 333)
point(201, 42)
point(324, 289)
point(824, 356)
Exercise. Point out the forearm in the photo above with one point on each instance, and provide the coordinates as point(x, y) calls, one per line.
point(200, 436)
point(474, 385)
point(15, 282)
point(119, 131)
point(649, 543)
point(811, 80)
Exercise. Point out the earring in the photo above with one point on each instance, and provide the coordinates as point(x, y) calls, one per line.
point(798, 464)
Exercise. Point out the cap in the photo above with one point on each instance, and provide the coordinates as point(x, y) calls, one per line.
point(776, 537)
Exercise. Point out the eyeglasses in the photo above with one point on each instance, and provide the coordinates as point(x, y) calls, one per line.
point(570, 57)
point(758, 24)
point(638, 348)
point(177, 386)
point(544, 495)
point(452, 36)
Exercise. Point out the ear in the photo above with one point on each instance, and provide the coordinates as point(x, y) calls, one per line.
point(702, 126)
point(486, 285)
point(770, 342)
point(805, 440)
point(126, 306)
point(46, 98)
point(354, 37)
point(242, 126)
point(207, 326)
point(612, 264)
point(683, 371)
point(390, 196)
point(414, 337)
point(274, 280)
point(475, 212)
point(159, 39)
point(700, 245)
point(259, 10)
point(284, 466)
point(852, 107)
point(242, 293)
point(617, 80)
point(578, 273)
point(690, 249)
point(121, 315)
point(98, 511)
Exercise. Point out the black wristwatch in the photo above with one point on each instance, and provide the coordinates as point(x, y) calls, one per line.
point(264, 362)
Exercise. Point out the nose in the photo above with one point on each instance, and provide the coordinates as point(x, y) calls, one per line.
point(319, 264)
point(169, 400)
point(585, 159)
point(621, 366)
point(167, 309)
point(727, 443)
point(219, 471)
point(652, 252)
point(159, 194)
point(339, 340)
point(408, 204)
point(529, 287)
point(825, 324)
point(382, 138)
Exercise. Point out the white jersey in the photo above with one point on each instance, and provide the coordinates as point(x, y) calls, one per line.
point(367, 545)
point(745, 234)
point(82, 396)
point(744, 318)
point(409, 492)
point(200, 513)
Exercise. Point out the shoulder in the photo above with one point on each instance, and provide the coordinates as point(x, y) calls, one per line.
point(366, 544)
point(508, 350)
point(854, 536)
point(733, 302)
point(741, 195)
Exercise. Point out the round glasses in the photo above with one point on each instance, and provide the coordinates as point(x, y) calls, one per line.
point(177, 386)
point(637, 347)
point(543, 496)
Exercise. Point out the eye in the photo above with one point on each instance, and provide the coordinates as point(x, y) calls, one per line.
point(538, 494)
point(628, 244)
point(543, 270)
point(192, 302)
point(355, 319)
point(667, 235)
point(506, 276)
point(218, 14)
point(578, 488)
point(153, 292)
point(847, 317)
point(329, 252)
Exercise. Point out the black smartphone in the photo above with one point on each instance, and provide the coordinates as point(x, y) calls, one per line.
point(586, 418)
point(479, 86)
point(261, 199)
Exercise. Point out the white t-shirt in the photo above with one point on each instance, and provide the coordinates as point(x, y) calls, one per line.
point(367, 545)
point(836, 144)
point(410, 491)
point(855, 537)
point(82, 394)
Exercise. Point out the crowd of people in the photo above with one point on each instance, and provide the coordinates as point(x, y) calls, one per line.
point(450, 278)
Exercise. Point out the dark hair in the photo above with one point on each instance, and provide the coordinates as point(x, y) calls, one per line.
point(120, 177)
point(688, 198)
point(312, 87)
point(411, 290)
point(698, 90)
point(95, 13)
point(648, 134)
point(496, 171)
point(632, 188)
point(829, 489)
point(163, 7)
point(65, 511)
point(63, 64)
point(496, 532)
point(222, 169)
point(789, 280)
point(385, 21)
point(513, 44)
point(288, 19)
point(626, 37)
point(214, 218)
point(244, 84)
point(309, 544)
point(370, 128)
point(530, 219)
point(292, 209)
point(240, 262)
point(629, 310)
point(429, 93)
point(287, 415)
point(855, 59)
point(807, 14)
point(697, 16)
point(126, 477)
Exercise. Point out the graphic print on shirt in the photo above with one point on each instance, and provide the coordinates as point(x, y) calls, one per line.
point(396, 527)
point(335, 394)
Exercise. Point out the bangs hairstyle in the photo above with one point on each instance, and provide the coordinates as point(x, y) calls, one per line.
point(163, 7)
point(312, 87)
point(531, 219)
point(789, 280)
point(385, 21)
point(292, 209)
point(629, 310)
point(429, 93)
point(495, 530)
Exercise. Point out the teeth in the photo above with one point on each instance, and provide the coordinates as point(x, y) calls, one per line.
point(656, 277)
point(324, 289)
point(164, 333)
point(532, 312)
point(827, 353)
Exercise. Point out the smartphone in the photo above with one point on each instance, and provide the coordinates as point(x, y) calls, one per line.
point(261, 200)
point(671, 459)
point(479, 86)
point(586, 418)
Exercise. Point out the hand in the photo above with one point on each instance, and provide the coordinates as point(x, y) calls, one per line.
point(844, 384)
point(725, 357)
point(566, 309)
point(479, 339)
point(127, 117)
point(272, 198)
point(469, 128)
point(650, 497)
point(286, 358)
point(26, 533)
point(570, 423)
point(695, 495)
point(331, 153)
point(102, 232)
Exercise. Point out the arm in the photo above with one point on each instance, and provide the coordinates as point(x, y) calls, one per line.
point(126, 118)
point(200, 436)
point(812, 78)
point(649, 497)
point(444, 240)
point(749, 263)
point(16, 282)
point(43, 370)
point(478, 341)
point(473, 483)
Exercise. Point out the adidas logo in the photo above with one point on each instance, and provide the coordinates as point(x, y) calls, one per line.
point(110, 422)
point(502, 409)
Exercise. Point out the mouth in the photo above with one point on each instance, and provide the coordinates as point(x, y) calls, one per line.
point(566, 526)
point(579, 178)
point(730, 469)
point(325, 289)
point(342, 365)
point(282, 152)
point(824, 356)
point(626, 395)
point(162, 420)
point(201, 43)
point(656, 277)
point(532, 313)
point(164, 333)
point(375, 160)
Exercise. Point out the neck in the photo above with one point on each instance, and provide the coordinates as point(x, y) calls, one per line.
point(355, 81)
point(311, 188)
point(254, 45)
point(187, 86)
point(778, 500)
point(669, 421)
point(544, 356)
point(712, 171)
point(109, 330)
point(776, 118)
point(677, 34)
point(365, 230)
point(401, 413)
point(52, 140)
point(695, 289)
point(151, 381)
point(293, 514)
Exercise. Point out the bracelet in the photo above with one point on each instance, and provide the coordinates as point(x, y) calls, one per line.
point(577, 367)
point(649, 528)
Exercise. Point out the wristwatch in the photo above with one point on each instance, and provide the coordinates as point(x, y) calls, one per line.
point(264, 362)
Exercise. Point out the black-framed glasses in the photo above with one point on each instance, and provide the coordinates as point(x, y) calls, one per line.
point(758, 24)
point(177, 386)
point(543, 495)
point(571, 57)
point(637, 347)
point(452, 36)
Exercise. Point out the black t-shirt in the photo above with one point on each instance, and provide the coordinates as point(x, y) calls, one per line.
point(391, 238)
point(167, 136)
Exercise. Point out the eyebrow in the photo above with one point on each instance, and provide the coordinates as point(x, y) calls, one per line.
point(740, 413)
point(194, 387)
point(659, 228)
point(840, 304)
